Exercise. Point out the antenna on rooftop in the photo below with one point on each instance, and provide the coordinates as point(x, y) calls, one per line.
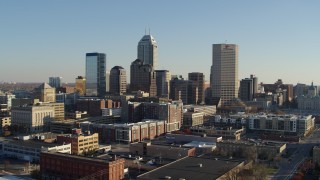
point(149, 31)
point(145, 31)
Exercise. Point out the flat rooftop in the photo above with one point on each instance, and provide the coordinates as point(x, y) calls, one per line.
point(31, 143)
point(189, 168)
point(103, 159)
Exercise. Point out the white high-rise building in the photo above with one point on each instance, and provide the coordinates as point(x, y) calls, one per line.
point(224, 72)
point(148, 51)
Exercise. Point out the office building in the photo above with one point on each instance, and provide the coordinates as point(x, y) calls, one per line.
point(148, 50)
point(32, 118)
point(80, 85)
point(224, 72)
point(95, 74)
point(80, 143)
point(163, 78)
point(118, 80)
point(55, 82)
point(45, 93)
point(7, 99)
point(192, 119)
point(66, 166)
point(198, 79)
point(58, 109)
point(246, 89)
point(143, 77)
point(184, 90)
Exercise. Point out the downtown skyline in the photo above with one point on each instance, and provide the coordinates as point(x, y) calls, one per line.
point(276, 39)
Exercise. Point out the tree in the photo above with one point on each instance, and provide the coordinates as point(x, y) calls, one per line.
point(259, 171)
point(35, 174)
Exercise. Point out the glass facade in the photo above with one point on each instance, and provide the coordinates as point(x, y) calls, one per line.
point(95, 74)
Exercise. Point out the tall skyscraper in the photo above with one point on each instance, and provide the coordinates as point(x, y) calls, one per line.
point(118, 80)
point(198, 78)
point(148, 51)
point(95, 74)
point(224, 72)
point(55, 82)
point(163, 78)
point(143, 77)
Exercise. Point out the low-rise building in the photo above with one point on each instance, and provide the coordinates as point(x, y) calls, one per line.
point(205, 109)
point(163, 151)
point(29, 150)
point(128, 133)
point(80, 143)
point(250, 150)
point(283, 124)
point(225, 133)
point(66, 166)
point(197, 168)
point(191, 119)
point(64, 127)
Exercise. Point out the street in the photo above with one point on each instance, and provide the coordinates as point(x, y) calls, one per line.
point(287, 167)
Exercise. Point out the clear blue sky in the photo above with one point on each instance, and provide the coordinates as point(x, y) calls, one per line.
point(277, 39)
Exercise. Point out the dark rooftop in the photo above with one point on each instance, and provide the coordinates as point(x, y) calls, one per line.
point(105, 159)
point(192, 168)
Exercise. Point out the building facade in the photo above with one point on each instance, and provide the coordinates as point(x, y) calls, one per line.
point(192, 119)
point(199, 80)
point(80, 143)
point(163, 78)
point(29, 150)
point(95, 74)
point(224, 72)
point(184, 90)
point(148, 50)
point(55, 82)
point(118, 80)
point(282, 124)
point(80, 85)
point(246, 89)
point(45, 93)
point(66, 166)
point(127, 133)
point(143, 77)
point(32, 118)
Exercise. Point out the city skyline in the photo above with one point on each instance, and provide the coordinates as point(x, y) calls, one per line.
point(276, 39)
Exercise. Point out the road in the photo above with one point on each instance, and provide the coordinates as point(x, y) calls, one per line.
point(287, 167)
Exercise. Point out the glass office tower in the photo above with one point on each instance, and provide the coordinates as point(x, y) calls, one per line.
point(95, 74)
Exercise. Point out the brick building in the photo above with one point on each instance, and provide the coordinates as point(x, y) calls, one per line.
point(128, 133)
point(66, 166)
point(94, 106)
